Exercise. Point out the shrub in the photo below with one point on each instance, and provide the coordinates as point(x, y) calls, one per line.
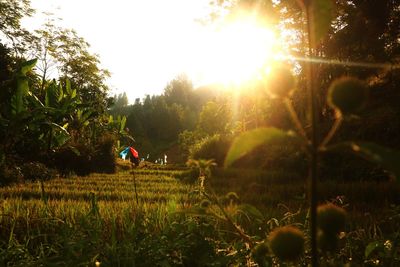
point(103, 160)
point(32, 171)
point(214, 147)
point(83, 159)
point(9, 174)
point(281, 155)
point(74, 159)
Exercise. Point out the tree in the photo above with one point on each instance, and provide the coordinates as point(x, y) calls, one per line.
point(69, 53)
point(6, 66)
point(179, 91)
point(43, 47)
point(11, 13)
point(213, 118)
point(120, 101)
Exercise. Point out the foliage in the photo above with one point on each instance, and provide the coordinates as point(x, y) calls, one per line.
point(83, 159)
point(33, 171)
point(213, 147)
point(103, 161)
point(120, 101)
point(67, 51)
point(248, 141)
point(94, 219)
point(64, 231)
point(346, 96)
point(11, 13)
point(213, 118)
point(9, 174)
point(39, 116)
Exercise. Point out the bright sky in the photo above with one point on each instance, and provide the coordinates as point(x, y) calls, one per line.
point(146, 43)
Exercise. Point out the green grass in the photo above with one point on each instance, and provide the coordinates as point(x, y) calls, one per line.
point(79, 220)
point(66, 217)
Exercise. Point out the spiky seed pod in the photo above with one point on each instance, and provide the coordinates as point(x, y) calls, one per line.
point(327, 241)
point(287, 243)
point(280, 82)
point(330, 218)
point(260, 251)
point(348, 94)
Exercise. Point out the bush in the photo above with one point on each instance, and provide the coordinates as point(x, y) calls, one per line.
point(214, 147)
point(83, 159)
point(32, 171)
point(346, 167)
point(281, 155)
point(74, 159)
point(103, 160)
point(9, 174)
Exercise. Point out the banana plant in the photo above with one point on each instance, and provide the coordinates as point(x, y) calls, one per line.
point(26, 117)
point(118, 127)
point(15, 117)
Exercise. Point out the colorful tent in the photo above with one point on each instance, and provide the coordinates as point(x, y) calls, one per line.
point(124, 152)
point(134, 153)
point(129, 151)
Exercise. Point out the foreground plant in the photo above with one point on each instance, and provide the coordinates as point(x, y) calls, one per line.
point(347, 97)
point(287, 243)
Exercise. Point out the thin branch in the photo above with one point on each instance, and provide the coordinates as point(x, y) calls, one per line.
point(336, 125)
point(296, 120)
point(314, 138)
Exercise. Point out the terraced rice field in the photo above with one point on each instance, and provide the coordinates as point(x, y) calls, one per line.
point(112, 193)
point(79, 220)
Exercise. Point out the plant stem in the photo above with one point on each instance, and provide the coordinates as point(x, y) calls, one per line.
point(335, 127)
point(134, 185)
point(296, 120)
point(241, 233)
point(314, 139)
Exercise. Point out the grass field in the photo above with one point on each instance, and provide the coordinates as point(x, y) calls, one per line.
point(77, 221)
point(82, 213)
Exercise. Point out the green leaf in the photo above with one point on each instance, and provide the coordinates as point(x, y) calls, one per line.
point(251, 211)
point(17, 100)
point(68, 87)
point(52, 95)
point(59, 133)
point(35, 100)
point(60, 93)
point(371, 248)
point(248, 141)
point(87, 114)
point(60, 138)
point(195, 210)
point(75, 150)
point(387, 158)
point(122, 124)
point(79, 114)
point(321, 16)
point(27, 66)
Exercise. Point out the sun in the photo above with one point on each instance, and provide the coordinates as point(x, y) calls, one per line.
point(236, 52)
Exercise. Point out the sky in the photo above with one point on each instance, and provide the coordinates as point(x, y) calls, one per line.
point(144, 43)
point(147, 43)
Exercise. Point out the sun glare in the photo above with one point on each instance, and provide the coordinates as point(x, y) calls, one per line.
point(236, 52)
